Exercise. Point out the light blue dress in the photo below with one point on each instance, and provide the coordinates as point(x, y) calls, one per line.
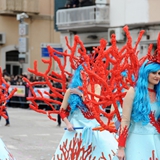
point(4, 152)
point(115, 119)
point(143, 142)
point(85, 144)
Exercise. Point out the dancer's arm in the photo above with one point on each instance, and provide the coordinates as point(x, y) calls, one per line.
point(125, 122)
point(77, 91)
point(63, 109)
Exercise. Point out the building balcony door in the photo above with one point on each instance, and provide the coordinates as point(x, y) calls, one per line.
point(13, 66)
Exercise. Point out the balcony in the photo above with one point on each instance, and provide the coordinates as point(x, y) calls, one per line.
point(91, 18)
point(12, 7)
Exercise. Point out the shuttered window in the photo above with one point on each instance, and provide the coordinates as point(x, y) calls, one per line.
point(58, 4)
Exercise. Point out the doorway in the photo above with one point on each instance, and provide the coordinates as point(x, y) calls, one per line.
point(13, 66)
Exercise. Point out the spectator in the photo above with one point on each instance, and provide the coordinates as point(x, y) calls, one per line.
point(7, 119)
point(83, 3)
point(72, 3)
point(5, 73)
point(7, 79)
point(59, 86)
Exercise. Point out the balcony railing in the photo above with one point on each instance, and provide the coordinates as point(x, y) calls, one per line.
point(82, 17)
point(11, 6)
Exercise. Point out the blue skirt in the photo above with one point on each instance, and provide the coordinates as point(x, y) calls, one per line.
point(4, 152)
point(85, 144)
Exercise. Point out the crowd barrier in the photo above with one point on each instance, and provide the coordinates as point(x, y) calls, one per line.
point(19, 98)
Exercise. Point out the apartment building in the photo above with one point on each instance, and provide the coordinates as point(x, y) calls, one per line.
point(91, 23)
point(98, 21)
point(21, 45)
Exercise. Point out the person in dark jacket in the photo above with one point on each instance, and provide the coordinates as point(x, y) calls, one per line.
point(72, 3)
point(58, 85)
point(83, 3)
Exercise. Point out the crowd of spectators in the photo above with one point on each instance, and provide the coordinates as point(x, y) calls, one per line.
point(18, 80)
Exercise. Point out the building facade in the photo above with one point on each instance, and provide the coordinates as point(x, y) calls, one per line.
point(40, 30)
point(98, 21)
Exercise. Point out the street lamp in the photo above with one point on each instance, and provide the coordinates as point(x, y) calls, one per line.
point(23, 40)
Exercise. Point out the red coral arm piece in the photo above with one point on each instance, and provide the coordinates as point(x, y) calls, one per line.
point(153, 121)
point(4, 96)
point(64, 113)
point(123, 137)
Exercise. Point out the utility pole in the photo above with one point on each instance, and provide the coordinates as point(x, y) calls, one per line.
point(23, 39)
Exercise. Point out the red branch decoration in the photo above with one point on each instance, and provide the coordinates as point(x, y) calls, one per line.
point(106, 71)
point(9, 154)
point(4, 94)
point(103, 67)
point(77, 151)
point(153, 121)
point(50, 75)
point(123, 136)
point(64, 113)
point(156, 56)
point(153, 156)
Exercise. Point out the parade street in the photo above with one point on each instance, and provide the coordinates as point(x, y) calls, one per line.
point(31, 135)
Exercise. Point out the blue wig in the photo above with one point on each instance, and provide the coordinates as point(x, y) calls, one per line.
point(75, 100)
point(141, 104)
point(124, 73)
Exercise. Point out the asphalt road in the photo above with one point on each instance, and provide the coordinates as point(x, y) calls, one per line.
point(31, 135)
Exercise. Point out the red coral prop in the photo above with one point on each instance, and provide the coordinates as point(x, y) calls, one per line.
point(64, 113)
point(123, 137)
point(77, 151)
point(104, 69)
point(156, 56)
point(9, 154)
point(49, 74)
point(153, 156)
point(153, 121)
point(4, 94)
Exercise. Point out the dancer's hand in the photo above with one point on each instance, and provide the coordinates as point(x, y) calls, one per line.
point(70, 127)
point(4, 104)
point(121, 154)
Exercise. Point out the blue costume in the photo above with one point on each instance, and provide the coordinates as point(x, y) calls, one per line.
point(84, 143)
point(4, 153)
point(143, 138)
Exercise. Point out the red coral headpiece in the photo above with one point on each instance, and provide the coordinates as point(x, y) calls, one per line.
point(156, 56)
point(152, 58)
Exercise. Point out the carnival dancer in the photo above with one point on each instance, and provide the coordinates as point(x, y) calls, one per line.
point(4, 97)
point(4, 93)
point(79, 140)
point(87, 136)
point(141, 110)
point(115, 120)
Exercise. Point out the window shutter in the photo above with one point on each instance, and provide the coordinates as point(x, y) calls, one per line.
point(58, 4)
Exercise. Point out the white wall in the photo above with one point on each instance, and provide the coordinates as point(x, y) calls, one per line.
point(128, 12)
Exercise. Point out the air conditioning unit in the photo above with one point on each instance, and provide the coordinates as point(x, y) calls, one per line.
point(120, 36)
point(2, 38)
